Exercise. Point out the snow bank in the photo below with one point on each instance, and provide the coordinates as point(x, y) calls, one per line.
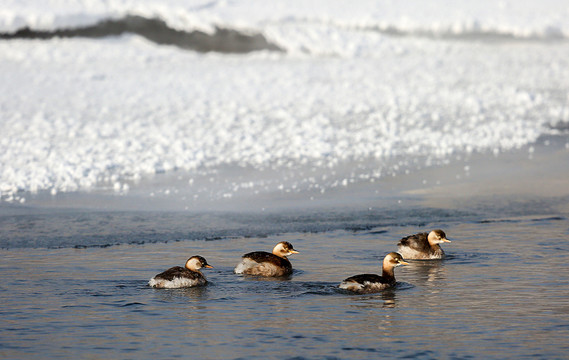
point(84, 114)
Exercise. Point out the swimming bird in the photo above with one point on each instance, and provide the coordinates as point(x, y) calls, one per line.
point(177, 276)
point(267, 264)
point(370, 283)
point(423, 246)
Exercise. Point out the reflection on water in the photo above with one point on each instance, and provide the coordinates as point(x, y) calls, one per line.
point(195, 294)
point(384, 299)
point(500, 293)
point(428, 272)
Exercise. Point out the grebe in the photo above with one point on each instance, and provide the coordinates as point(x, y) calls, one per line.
point(369, 283)
point(177, 276)
point(423, 246)
point(267, 264)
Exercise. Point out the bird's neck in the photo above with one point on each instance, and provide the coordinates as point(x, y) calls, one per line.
point(388, 274)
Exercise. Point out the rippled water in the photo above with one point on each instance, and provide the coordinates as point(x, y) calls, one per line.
point(502, 292)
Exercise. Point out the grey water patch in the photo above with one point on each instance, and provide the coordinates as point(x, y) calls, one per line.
point(87, 229)
point(473, 34)
point(222, 40)
point(29, 227)
point(560, 126)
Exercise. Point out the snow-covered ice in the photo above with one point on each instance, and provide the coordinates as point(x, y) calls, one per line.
point(380, 86)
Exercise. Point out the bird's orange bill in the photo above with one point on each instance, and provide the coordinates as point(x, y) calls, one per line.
point(445, 240)
point(209, 266)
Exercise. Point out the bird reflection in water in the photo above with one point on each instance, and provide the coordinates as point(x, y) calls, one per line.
point(427, 273)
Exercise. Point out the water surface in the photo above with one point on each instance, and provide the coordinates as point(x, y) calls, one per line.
point(502, 292)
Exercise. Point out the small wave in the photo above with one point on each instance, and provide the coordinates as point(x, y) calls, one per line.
point(378, 232)
point(492, 221)
point(223, 40)
point(320, 288)
point(133, 304)
point(374, 350)
point(521, 220)
point(551, 218)
point(479, 259)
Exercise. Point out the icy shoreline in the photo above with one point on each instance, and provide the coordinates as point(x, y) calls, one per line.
point(466, 182)
point(100, 114)
point(83, 112)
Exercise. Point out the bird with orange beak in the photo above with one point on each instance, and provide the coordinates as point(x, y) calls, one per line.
point(423, 246)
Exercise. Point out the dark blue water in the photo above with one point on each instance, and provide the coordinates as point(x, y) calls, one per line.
point(502, 292)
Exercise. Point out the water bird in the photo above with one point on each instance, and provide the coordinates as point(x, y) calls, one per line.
point(178, 277)
point(370, 283)
point(267, 264)
point(423, 246)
